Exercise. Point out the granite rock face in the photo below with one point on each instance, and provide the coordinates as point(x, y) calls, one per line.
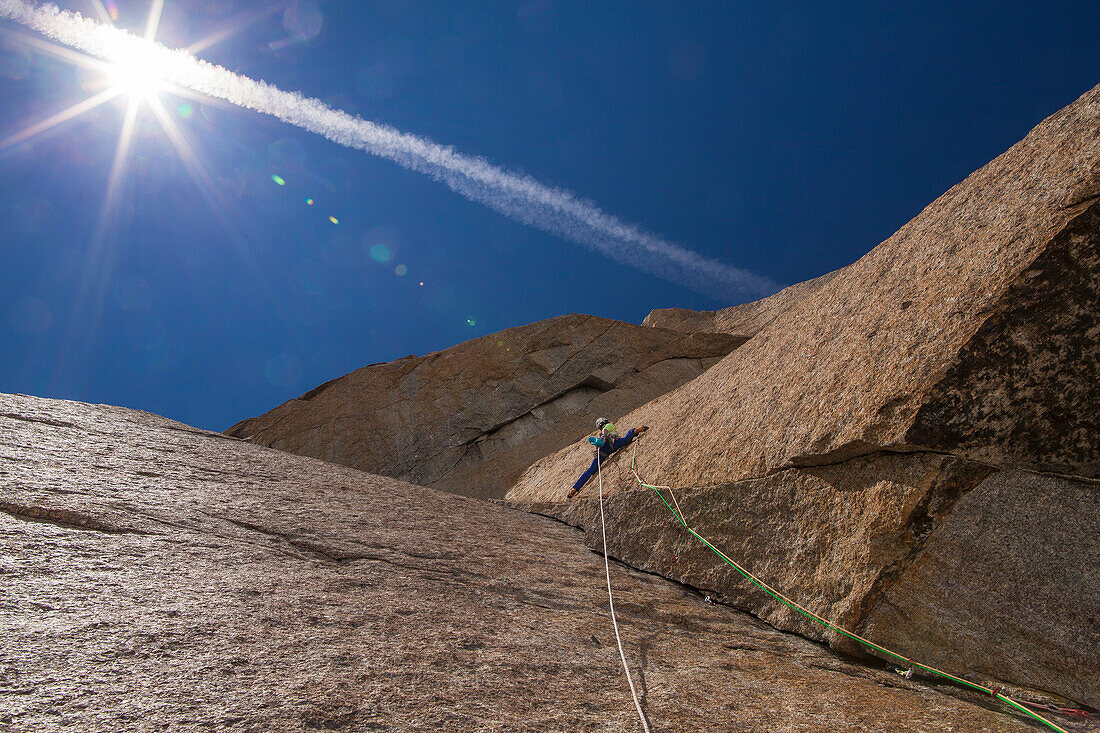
point(1012, 567)
point(744, 320)
point(159, 577)
point(971, 337)
point(471, 418)
point(980, 572)
point(973, 329)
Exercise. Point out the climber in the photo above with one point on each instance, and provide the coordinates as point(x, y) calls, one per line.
point(606, 440)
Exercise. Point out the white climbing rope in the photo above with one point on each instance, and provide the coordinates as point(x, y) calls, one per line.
point(611, 602)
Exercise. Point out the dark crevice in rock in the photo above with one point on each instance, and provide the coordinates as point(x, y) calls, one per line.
point(311, 551)
point(331, 556)
point(541, 509)
point(318, 552)
point(188, 528)
point(466, 447)
point(64, 518)
point(584, 349)
point(1084, 199)
point(596, 383)
point(845, 453)
point(247, 525)
point(699, 361)
point(41, 420)
point(855, 450)
point(589, 382)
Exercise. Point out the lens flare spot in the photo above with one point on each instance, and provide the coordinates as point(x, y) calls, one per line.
point(185, 111)
point(334, 220)
point(471, 322)
point(380, 253)
point(421, 283)
point(303, 20)
point(309, 202)
point(400, 270)
point(112, 10)
point(278, 179)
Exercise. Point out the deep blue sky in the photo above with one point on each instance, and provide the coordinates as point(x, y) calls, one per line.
point(784, 138)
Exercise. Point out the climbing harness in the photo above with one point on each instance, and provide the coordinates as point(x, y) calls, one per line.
point(995, 692)
point(611, 603)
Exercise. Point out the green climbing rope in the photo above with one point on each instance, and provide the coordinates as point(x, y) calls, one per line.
point(992, 692)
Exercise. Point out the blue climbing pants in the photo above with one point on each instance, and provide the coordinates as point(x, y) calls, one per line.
point(601, 456)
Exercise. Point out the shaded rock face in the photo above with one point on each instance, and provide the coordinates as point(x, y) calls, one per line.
point(470, 419)
point(159, 577)
point(1014, 562)
point(1026, 389)
point(970, 336)
point(744, 320)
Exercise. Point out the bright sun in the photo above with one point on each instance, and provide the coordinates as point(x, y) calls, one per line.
point(138, 75)
point(136, 81)
point(141, 71)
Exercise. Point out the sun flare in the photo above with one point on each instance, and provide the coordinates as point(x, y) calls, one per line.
point(118, 65)
point(140, 70)
point(143, 81)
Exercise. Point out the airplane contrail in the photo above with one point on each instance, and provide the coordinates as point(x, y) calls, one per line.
point(551, 209)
